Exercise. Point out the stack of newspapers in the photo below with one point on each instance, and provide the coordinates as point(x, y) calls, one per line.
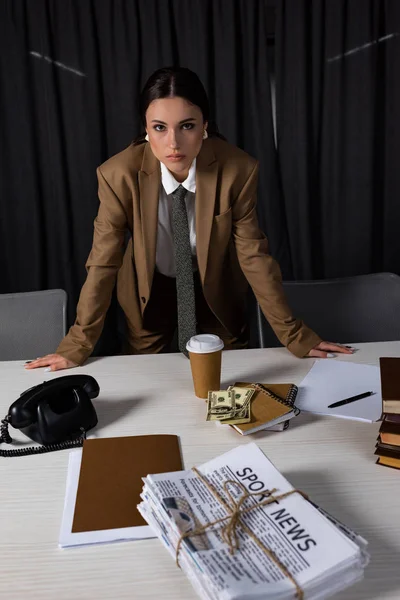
point(287, 548)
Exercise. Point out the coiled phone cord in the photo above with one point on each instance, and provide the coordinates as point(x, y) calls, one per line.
point(7, 439)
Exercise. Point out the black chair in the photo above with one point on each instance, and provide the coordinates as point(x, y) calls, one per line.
point(363, 308)
point(31, 323)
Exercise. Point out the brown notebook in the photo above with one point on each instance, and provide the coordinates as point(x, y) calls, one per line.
point(389, 432)
point(389, 426)
point(268, 410)
point(390, 384)
point(390, 438)
point(390, 418)
point(380, 451)
point(389, 462)
point(381, 447)
point(110, 479)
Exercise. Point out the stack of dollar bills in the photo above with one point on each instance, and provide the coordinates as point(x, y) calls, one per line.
point(289, 548)
point(231, 406)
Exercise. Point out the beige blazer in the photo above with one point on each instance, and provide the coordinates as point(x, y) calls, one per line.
point(230, 246)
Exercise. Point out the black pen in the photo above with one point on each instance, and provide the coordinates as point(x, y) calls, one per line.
point(352, 399)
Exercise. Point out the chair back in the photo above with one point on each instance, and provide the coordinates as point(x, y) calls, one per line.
point(363, 308)
point(32, 324)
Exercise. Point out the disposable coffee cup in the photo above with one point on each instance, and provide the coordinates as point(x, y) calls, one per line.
point(205, 353)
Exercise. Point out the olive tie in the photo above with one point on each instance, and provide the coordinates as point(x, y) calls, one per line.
point(184, 270)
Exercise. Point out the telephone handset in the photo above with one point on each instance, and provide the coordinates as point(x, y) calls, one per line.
point(55, 413)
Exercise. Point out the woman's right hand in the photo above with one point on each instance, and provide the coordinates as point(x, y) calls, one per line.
point(54, 362)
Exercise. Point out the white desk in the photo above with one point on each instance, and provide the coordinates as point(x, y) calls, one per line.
point(330, 459)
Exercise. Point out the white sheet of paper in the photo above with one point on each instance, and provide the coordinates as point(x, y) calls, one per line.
point(329, 381)
point(67, 538)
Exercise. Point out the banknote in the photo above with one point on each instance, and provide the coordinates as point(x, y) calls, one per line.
point(242, 397)
point(242, 400)
point(237, 419)
point(220, 405)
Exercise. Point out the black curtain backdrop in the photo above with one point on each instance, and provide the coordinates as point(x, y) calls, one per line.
point(70, 75)
point(338, 119)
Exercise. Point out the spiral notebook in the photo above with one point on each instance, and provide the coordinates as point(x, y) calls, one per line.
point(272, 405)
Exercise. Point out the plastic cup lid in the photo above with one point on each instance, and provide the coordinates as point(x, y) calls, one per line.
point(204, 343)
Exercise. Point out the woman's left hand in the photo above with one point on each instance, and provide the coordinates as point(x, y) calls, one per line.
point(326, 349)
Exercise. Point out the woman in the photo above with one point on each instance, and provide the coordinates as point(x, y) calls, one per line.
point(138, 190)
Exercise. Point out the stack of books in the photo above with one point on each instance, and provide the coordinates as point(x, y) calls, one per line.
point(388, 444)
point(239, 530)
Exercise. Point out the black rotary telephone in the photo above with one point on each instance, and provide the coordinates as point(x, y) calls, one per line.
point(55, 413)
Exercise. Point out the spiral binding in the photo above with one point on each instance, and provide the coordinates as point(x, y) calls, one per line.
point(6, 438)
point(288, 401)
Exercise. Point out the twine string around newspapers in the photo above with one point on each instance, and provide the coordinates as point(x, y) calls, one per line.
point(230, 523)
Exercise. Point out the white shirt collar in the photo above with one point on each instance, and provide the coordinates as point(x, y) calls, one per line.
point(170, 184)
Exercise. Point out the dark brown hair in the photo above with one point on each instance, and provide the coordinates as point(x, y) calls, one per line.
point(169, 82)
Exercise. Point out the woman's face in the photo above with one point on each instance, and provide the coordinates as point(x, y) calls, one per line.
point(175, 129)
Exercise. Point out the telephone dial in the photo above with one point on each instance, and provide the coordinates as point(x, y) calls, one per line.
point(55, 413)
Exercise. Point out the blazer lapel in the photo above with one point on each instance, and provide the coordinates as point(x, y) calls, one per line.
point(149, 189)
point(206, 186)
